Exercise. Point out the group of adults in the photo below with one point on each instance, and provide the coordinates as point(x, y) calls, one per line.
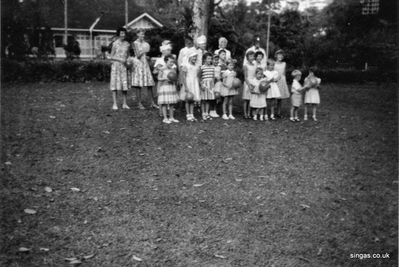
point(131, 66)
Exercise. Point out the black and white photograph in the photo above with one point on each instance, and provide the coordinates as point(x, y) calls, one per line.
point(199, 133)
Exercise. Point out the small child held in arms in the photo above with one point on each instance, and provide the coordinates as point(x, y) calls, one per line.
point(258, 97)
point(229, 89)
point(167, 93)
point(312, 96)
point(296, 97)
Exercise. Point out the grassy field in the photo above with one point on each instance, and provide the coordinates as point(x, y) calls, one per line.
point(136, 192)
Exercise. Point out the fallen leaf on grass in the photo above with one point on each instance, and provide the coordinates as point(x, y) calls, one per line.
point(75, 189)
point(23, 249)
point(304, 206)
point(227, 160)
point(198, 185)
point(52, 117)
point(106, 132)
point(89, 256)
point(48, 189)
point(238, 180)
point(319, 252)
point(7, 163)
point(220, 256)
point(44, 249)
point(75, 262)
point(29, 211)
point(136, 258)
point(283, 193)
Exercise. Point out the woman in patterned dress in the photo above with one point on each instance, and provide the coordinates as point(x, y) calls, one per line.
point(280, 67)
point(141, 75)
point(119, 75)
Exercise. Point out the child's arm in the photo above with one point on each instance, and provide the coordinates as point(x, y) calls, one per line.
point(161, 77)
point(184, 76)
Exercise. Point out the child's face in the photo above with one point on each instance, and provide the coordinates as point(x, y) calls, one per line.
point(280, 57)
point(167, 51)
point(122, 34)
point(202, 46)
point(189, 43)
point(270, 66)
point(208, 60)
point(230, 66)
point(193, 59)
point(298, 77)
point(259, 75)
point(251, 58)
point(259, 58)
point(222, 56)
point(170, 63)
point(215, 61)
point(140, 35)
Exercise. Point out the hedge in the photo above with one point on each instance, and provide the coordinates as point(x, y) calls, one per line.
point(81, 71)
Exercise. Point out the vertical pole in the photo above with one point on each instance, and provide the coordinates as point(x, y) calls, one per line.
point(66, 21)
point(126, 13)
point(268, 31)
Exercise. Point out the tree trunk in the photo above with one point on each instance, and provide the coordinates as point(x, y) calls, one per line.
point(201, 17)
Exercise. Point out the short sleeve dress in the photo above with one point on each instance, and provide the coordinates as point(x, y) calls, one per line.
point(141, 75)
point(246, 94)
point(207, 82)
point(192, 82)
point(296, 97)
point(227, 88)
point(282, 82)
point(312, 95)
point(274, 91)
point(119, 74)
point(258, 100)
point(167, 93)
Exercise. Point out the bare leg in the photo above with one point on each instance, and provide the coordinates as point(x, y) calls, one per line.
point(305, 116)
point(292, 111)
point(187, 105)
point(203, 111)
point(138, 96)
point(171, 112)
point(207, 106)
point(225, 101)
point(114, 105)
point(272, 108)
point(164, 112)
point(151, 94)
point(314, 111)
point(230, 105)
point(245, 107)
point(278, 107)
point(124, 95)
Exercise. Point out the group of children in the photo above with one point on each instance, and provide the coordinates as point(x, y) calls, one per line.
point(200, 78)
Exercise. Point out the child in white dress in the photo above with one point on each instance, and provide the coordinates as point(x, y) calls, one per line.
point(280, 67)
point(312, 96)
point(296, 96)
point(273, 93)
point(249, 74)
point(229, 90)
point(258, 98)
point(191, 92)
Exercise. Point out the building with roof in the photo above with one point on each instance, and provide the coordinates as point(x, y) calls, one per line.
point(92, 37)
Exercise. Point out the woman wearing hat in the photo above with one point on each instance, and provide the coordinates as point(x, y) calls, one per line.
point(201, 49)
point(222, 46)
point(280, 67)
point(141, 75)
point(256, 47)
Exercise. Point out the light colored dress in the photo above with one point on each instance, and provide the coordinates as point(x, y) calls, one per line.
point(258, 100)
point(207, 82)
point(296, 97)
point(160, 64)
point(218, 79)
point(246, 94)
point(273, 92)
point(312, 95)
point(167, 93)
point(192, 82)
point(282, 82)
point(181, 61)
point(227, 87)
point(119, 73)
point(141, 75)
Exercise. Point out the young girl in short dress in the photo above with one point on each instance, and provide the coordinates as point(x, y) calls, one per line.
point(280, 67)
point(207, 85)
point(119, 72)
point(312, 96)
point(191, 92)
point(228, 91)
point(258, 99)
point(167, 94)
point(296, 96)
point(259, 60)
point(249, 74)
point(273, 93)
point(218, 82)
